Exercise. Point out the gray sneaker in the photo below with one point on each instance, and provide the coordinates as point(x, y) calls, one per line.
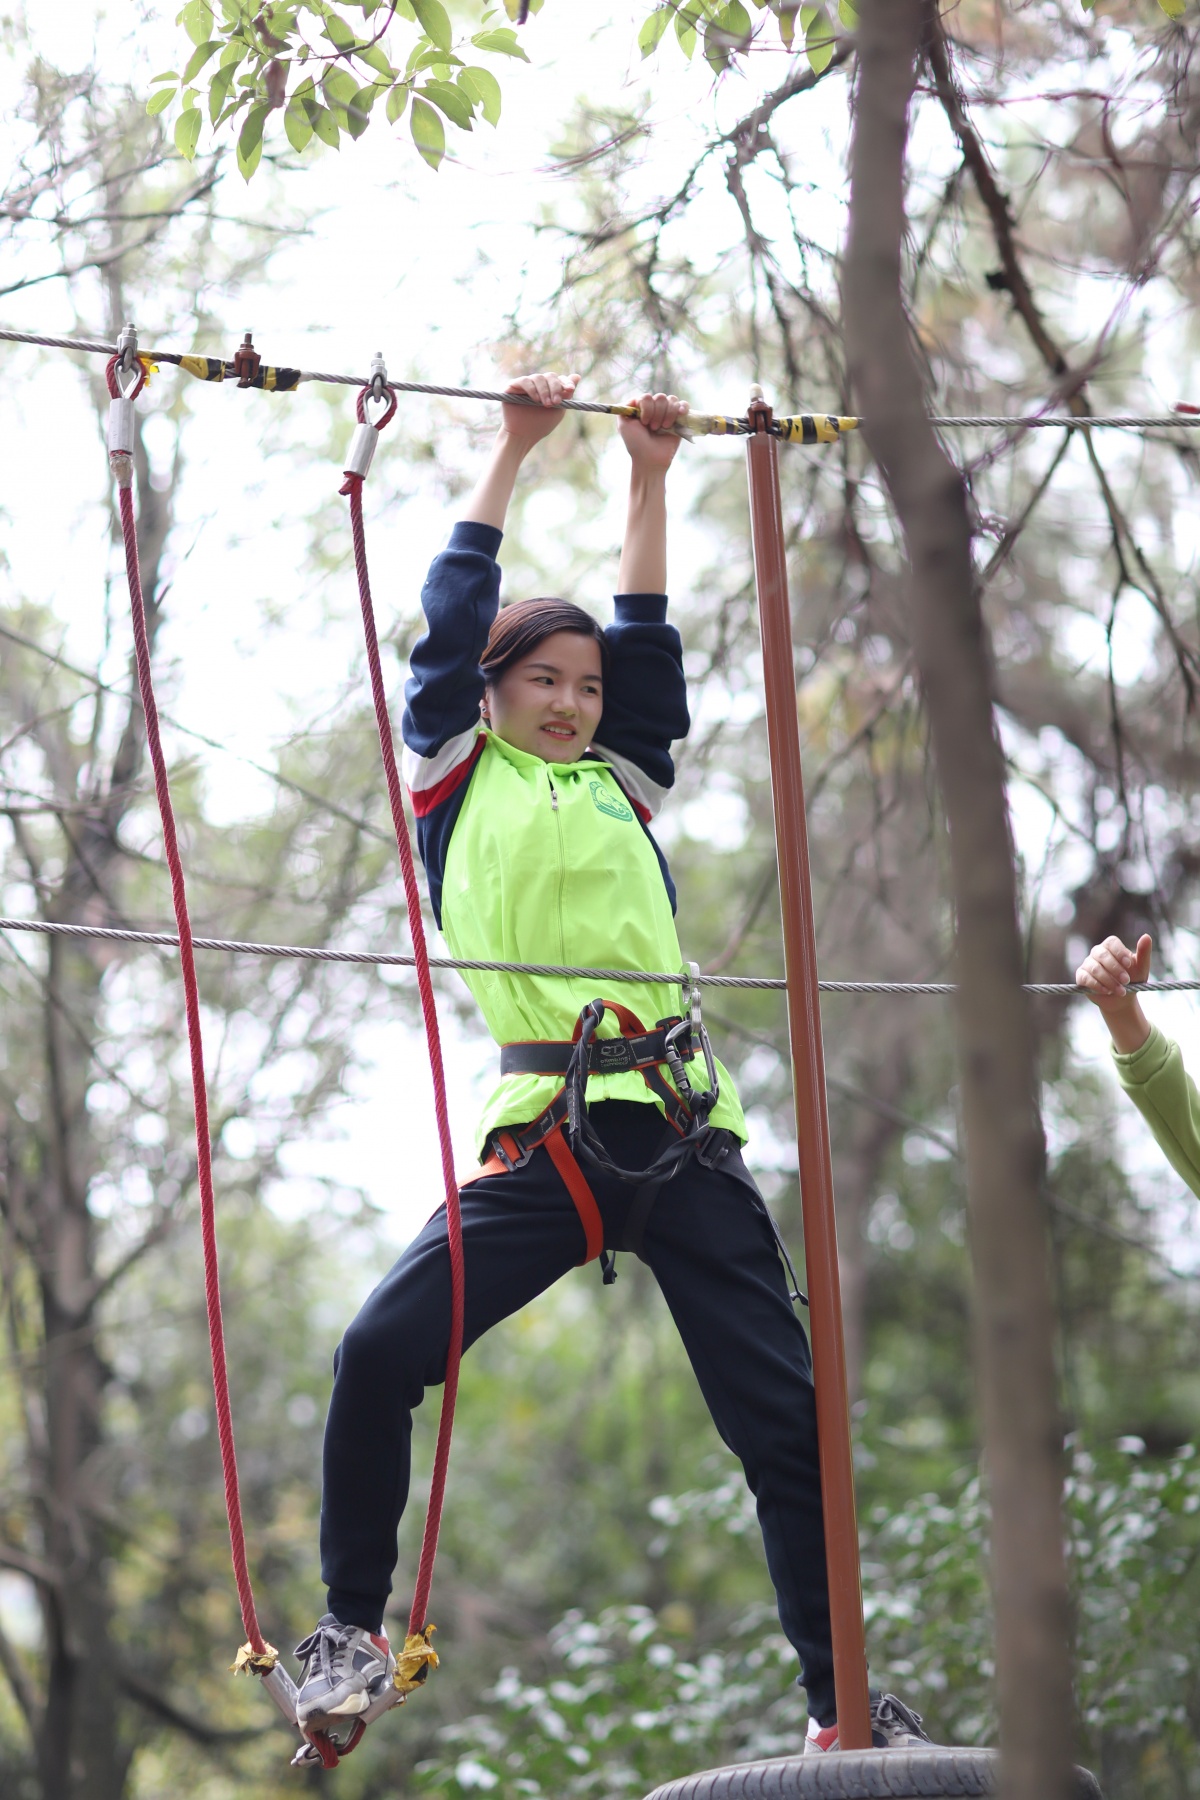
point(894, 1726)
point(343, 1668)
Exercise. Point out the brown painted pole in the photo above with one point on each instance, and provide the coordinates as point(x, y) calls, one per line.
point(808, 1071)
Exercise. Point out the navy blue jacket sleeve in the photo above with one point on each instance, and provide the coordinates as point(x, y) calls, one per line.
point(645, 695)
point(442, 740)
point(460, 600)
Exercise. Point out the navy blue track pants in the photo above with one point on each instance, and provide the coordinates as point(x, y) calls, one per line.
point(712, 1251)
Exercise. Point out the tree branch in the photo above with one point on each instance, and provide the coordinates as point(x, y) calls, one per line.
point(212, 1737)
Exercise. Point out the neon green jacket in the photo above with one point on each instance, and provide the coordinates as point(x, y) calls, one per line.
point(1165, 1094)
point(548, 863)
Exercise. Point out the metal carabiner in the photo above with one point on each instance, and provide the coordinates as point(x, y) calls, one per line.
point(694, 1023)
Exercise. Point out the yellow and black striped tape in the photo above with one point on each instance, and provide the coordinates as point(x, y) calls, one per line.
point(272, 381)
point(814, 428)
point(714, 425)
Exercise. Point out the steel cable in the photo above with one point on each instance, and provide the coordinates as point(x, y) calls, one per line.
point(168, 940)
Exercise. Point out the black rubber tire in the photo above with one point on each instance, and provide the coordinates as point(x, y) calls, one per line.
point(925, 1774)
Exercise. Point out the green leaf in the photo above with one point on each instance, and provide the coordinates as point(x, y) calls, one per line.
point(248, 164)
point(685, 32)
point(358, 111)
point(375, 58)
point(218, 91)
point(167, 75)
point(340, 86)
point(787, 26)
point(187, 132)
point(159, 102)
point(233, 53)
point(650, 36)
point(501, 42)
point(736, 21)
point(452, 101)
point(435, 22)
point(296, 125)
point(818, 38)
point(250, 136)
point(1174, 9)
point(197, 20)
point(427, 131)
point(435, 60)
point(397, 100)
point(848, 14)
point(482, 85)
point(199, 57)
point(324, 124)
point(338, 32)
point(727, 32)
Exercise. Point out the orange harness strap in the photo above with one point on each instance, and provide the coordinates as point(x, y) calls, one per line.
point(573, 1179)
point(576, 1185)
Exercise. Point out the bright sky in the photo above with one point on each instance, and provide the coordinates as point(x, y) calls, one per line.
point(427, 268)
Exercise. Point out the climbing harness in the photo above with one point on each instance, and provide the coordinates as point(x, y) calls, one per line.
point(563, 1127)
point(564, 1130)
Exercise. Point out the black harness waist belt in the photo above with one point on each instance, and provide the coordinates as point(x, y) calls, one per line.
point(605, 1056)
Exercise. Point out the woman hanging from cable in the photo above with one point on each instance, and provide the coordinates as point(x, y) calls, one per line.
point(538, 749)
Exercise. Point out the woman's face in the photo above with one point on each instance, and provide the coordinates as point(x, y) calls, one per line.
point(550, 702)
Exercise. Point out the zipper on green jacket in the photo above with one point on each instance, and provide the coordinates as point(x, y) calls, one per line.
point(562, 868)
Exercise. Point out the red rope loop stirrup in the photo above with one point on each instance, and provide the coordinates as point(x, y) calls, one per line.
point(355, 473)
point(257, 1655)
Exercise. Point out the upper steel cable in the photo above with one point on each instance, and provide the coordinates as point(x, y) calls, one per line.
point(247, 369)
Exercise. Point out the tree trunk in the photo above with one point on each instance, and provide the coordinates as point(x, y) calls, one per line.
point(1014, 1344)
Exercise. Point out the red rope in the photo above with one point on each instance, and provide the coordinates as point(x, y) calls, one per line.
point(191, 997)
point(433, 1518)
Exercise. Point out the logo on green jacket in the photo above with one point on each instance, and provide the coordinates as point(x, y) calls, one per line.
point(612, 804)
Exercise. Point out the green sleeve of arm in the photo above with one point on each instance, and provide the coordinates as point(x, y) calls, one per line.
point(1165, 1094)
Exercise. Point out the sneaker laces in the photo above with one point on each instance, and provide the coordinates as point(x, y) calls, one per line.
point(888, 1710)
point(329, 1645)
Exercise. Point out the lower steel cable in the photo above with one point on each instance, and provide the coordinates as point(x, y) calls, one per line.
point(167, 940)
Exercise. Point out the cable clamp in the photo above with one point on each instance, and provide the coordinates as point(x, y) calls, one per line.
point(246, 362)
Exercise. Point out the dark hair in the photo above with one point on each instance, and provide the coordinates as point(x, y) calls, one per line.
point(520, 628)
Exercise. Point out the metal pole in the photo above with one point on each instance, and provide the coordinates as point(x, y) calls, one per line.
point(808, 1067)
